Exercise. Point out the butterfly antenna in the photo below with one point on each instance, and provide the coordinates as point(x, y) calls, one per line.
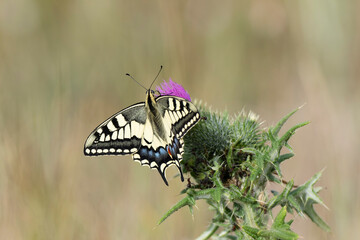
point(161, 67)
point(136, 81)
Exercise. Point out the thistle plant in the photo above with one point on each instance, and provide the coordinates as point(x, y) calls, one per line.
point(231, 160)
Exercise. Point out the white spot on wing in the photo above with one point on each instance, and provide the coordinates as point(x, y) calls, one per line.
point(175, 116)
point(93, 151)
point(87, 151)
point(114, 135)
point(119, 150)
point(107, 138)
point(121, 134)
point(102, 137)
point(126, 151)
point(171, 104)
point(127, 131)
point(153, 164)
point(171, 117)
point(121, 120)
point(111, 126)
point(112, 150)
point(135, 129)
point(106, 150)
point(99, 151)
point(179, 114)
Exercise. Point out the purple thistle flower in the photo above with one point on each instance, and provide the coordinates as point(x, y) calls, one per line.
point(174, 89)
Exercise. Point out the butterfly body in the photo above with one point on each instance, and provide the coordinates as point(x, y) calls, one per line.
point(152, 131)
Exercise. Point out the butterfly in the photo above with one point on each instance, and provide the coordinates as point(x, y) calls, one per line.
point(152, 131)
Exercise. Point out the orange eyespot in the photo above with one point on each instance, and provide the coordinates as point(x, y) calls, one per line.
point(168, 149)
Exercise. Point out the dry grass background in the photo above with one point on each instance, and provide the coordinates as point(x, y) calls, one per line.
point(62, 66)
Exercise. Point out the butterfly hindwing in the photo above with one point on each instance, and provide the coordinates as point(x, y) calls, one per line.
point(161, 157)
point(119, 134)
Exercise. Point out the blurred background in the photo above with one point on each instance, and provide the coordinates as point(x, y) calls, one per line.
point(62, 72)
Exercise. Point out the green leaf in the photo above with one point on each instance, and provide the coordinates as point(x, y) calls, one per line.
point(279, 233)
point(282, 196)
point(278, 126)
point(251, 231)
point(293, 203)
point(290, 132)
point(307, 190)
point(208, 232)
point(249, 215)
point(285, 157)
point(310, 212)
point(186, 201)
point(280, 229)
point(216, 194)
point(280, 218)
point(306, 196)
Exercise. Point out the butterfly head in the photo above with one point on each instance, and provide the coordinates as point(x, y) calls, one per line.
point(150, 98)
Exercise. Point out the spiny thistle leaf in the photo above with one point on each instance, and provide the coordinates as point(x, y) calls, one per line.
point(306, 196)
point(280, 229)
point(281, 197)
point(283, 140)
point(275, 130)
point(208, 232)
point(186, 201)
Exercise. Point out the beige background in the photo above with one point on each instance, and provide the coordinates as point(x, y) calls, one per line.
point(62, 66)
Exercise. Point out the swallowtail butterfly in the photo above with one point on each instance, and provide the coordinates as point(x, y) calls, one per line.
point(151, 131)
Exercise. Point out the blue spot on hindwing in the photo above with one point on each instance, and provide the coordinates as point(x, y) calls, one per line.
point(176, 142)
point(143, 152)
point(163, 154)
point(151, 156)
point(157, 156)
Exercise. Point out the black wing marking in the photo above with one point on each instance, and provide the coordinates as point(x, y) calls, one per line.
point(182, 113)
point(119, 134)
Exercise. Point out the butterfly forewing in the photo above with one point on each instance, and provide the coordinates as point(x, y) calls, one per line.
point(119, 134)
point(182, 113)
